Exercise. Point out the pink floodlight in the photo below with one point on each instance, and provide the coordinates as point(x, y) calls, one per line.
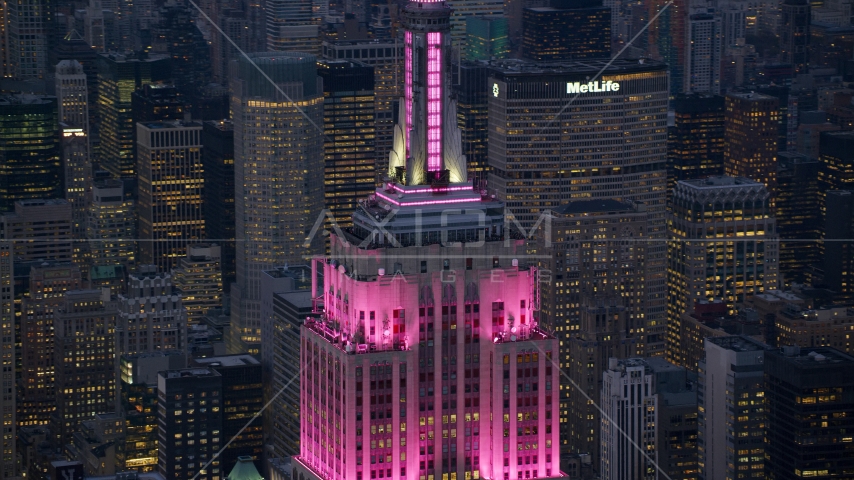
point(434, 101)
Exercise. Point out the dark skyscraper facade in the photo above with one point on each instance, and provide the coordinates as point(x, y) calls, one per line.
point(795, 34)
point(118, 77)
point(809, 397)
point(29, 169)
point(218, 204)
point(566, 34)
point(349, 124)
point(472, 91)
point(695, 142)
point(798, 215)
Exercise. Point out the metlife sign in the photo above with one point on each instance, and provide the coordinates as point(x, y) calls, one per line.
point(592, 87)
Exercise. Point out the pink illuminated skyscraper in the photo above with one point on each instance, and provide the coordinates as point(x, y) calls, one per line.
point(427, 362)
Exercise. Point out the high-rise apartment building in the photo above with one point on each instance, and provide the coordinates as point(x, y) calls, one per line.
point(198, 279)
point(732, 406)
point(349, 124)
point(703, 51)
point(72, 92)
point(278, 178)
point(486, 38)
point(189, 424)
point(419, 359)
point(795, 34)
point(118, 77)
point(111, 226)
point(8, 407)
point(695, 142)
point(242, 398)
point(293, 25)
point(37, 394)
point(798, 215)
point(533, 176)
point(724, 243)
point(552, 34)
point(666, 37)
point(750, 148)
point(588, 260)
point(84, 358)
point(151, 317)
point(628, 425)
point(809, 394)
point(30, 169)
point(386, 56)
point(39, 230)
point(218, 204)
point(169, 190)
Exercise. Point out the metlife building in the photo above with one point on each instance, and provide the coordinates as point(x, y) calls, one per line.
point(560, 132)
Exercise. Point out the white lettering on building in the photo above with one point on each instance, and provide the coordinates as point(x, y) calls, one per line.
point(592, 87)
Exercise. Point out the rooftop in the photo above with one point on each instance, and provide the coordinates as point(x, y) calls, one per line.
point(535, 69)
point(228, 360)
point(720, 181)
point(170, 124)
point(739, 343)
point(798, 357)
point(753, 96)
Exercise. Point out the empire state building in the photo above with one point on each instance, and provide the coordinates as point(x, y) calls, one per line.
point(427, 361)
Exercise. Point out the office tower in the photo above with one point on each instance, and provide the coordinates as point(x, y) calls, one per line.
point(349, 129)
point(666, 38)
point(809, 395)
point(701, 267)
point(242, 398)
point(551, 34)
point(461, 10)
point(731, 394)
point(73, 48)
point(189, 423)
point(111, 226)
point(198, 279)
point(155, 102)
point(472, 94)
point(467, 399)
point(77, 186)
point(486, 38)
point(39, 230)
point(169, 190)
point(293, 26)
point(386, 56)
point(218, 204)
point(528, 179)
point(30, 169)
point(37, 395)
point(787, 113)
point(811, 328)
point(686, 334)
point(751, 138)
point(72, 92)
point(279, 199)
point(29, 25)
point(118, 77)
point(675, 420)
point(84, 358)
point(628, 424)
point(798, 215)
point(703, 51)
point(287, 302)
point(8, 392)
point(234, 22)
point(579, 278)
point(695, 142)
point(175, 32)
point(94, 444)
point(795, 34)
point(151, 317)
point(836, 170)
point(838, 256)
point(137, 401)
